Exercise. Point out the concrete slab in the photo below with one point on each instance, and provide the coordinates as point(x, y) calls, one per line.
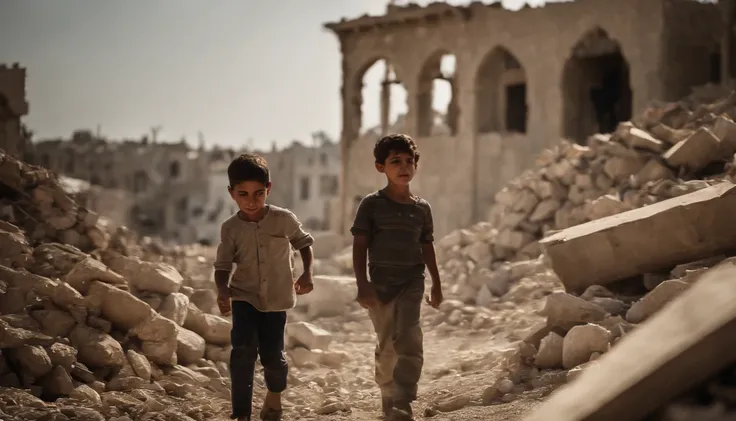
point(695, 336)
point(659, 236)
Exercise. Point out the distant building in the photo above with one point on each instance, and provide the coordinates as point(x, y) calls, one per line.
point(304, 179)
point(167, 183)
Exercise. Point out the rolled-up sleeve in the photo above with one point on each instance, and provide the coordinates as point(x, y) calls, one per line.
point(427, 235)
point(363, 222)
point(225, 250)
point(298, 238)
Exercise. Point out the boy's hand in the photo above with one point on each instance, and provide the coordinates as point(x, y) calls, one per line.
point(435, 298)
point(223, 301)
point(304, 284)
point(367, 297)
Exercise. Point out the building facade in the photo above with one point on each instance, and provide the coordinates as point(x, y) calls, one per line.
point(306, 180)
point(522, 81)
point(167, 182)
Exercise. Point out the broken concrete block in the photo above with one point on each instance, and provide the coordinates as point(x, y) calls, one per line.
point(655, 300)
point(668, 134)
point(620, 168)
point(307, 335)
point(653, 171)
point(634, 378)
point(550, 352)
point(581, 342)
point(725, 130)
point(696, 152)
point(649, 239)
point(637, 138)
point(566, 310)
point(605, 206)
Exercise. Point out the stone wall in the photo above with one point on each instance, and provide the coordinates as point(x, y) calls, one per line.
point(13, 106)
point(461, 172)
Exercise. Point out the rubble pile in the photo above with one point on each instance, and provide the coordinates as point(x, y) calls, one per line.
point(618, 234)
point(661, 297)
point(103, 334)
point(193, 261)
point(671, 150)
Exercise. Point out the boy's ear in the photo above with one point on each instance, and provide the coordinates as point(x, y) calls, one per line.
point(380, 167)
point(268, 187)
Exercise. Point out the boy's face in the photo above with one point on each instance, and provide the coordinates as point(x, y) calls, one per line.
point(399, 167)
point(250, 196)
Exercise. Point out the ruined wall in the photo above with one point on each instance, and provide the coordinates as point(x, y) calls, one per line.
point(461, 173)
point(13, 106)
point(114, 204)
point(691, 37)
point(310, 167)
point(281, 165)
point(168, 182)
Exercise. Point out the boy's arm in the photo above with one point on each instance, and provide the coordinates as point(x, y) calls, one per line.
point(361, 229)
point(300, 240)
point(428, 253)
point(224, 260)
point(430, 259)
point(360, 259)
point(307, 258)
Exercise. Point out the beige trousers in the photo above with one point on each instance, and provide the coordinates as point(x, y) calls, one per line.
point(399, 348)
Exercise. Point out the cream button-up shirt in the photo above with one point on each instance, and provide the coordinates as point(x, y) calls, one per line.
point(261, 252)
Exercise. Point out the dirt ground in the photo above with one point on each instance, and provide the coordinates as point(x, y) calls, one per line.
point(459, 360)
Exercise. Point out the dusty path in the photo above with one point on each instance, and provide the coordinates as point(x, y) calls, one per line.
point(459, 360)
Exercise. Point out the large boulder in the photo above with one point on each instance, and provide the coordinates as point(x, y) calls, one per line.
point(145, 276)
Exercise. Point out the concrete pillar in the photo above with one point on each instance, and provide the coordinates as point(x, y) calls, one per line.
point(385, 99)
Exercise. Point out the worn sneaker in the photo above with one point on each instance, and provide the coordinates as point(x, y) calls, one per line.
point(402, 411)
point(270, 414)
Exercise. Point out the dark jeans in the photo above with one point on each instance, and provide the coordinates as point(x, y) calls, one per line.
point(256, 333)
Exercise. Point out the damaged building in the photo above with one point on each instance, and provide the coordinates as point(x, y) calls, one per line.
point(180, 193)
point(157, 188)
point(522, 80)
point(13, 106)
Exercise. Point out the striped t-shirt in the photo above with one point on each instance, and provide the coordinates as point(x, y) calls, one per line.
point(396, 232)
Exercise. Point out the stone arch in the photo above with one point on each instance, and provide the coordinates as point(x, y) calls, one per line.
point(384, 71)
point(500, 93)
point(595, 85)
point(437, 94)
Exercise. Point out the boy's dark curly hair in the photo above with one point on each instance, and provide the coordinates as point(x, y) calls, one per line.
point(248, 167)
point(397, 143)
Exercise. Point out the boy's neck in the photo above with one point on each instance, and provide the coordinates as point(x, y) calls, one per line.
point(399, 193)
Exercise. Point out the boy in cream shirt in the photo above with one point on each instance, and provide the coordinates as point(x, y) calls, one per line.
point(258, 240)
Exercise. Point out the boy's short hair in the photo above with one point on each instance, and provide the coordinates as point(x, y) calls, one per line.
point(397, 143)
point(248, 167)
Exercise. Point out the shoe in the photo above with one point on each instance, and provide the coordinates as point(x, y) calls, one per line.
point(270, 414)
point(240, 417)
point(402, 411)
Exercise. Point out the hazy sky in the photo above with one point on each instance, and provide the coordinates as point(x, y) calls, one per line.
point(232, 69)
